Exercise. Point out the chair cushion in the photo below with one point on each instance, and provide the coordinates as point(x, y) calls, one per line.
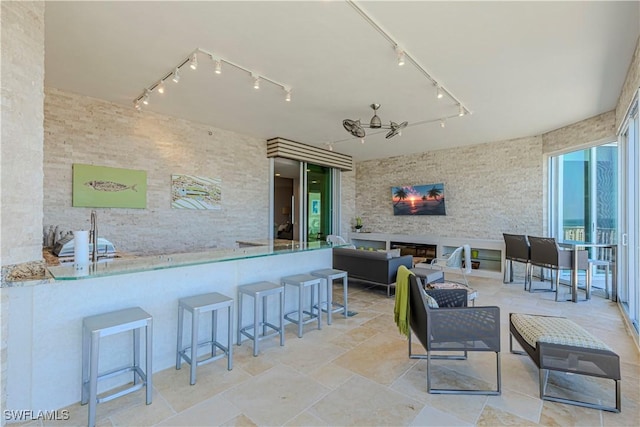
point(554, 330)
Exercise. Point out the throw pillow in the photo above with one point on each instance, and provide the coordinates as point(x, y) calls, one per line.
point(430, 301)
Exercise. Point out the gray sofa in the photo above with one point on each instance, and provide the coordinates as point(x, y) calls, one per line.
point(370, 266)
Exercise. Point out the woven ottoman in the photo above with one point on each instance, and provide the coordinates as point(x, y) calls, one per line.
point(558, 344)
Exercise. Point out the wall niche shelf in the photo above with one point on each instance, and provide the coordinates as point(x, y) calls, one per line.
point(490, 252)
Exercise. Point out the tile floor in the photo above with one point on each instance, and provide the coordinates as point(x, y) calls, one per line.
point(356, 372)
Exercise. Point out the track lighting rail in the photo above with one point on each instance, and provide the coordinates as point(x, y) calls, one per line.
point(407, 57)
point(218, 61)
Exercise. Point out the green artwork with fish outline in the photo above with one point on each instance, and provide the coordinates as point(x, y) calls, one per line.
point(106, 187)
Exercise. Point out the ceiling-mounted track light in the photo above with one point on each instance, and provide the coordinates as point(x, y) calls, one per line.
point(193, 63)
point(136, 105)
point(288, 95)
point(401, 55)
point(256, 82)
point(439, 93)
point(442, 123)
point(145, 98)
point(176, 75)
point(160, 87)
point(461, 111)
point(218, 66)
point(355, 128)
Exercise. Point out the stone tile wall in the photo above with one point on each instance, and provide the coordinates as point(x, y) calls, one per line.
point(489, 189)
point(22, 114)
point(22, 70)
point(79, 129)
point(583, 133)
point(630, 87)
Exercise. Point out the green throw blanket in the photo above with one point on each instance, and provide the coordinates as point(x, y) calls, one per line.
point(401, 309)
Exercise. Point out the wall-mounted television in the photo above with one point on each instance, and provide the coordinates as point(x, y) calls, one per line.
point(427, 199)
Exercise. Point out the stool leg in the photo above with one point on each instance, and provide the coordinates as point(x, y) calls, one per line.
point(136, 355)
point(300, 309)
point(214, 331)
point(587, 285)
point(149, 362)
point(239, 334)
point(195, 314)
point(606, 282)
point(282, 318)
point(329, 299)
point(345, 290)
point(179, 344)
point(93, 378)
point(264, 315)
point(318, 288)
point(229, 338)
point(86, 353)
point(256, 324)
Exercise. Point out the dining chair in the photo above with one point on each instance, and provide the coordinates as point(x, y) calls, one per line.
point(546, 253)
point(517, 249)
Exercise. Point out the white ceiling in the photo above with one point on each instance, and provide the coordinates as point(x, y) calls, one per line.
point(522, 68)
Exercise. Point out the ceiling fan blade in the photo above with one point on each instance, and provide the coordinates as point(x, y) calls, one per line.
point(353, 127)
point(396, 129)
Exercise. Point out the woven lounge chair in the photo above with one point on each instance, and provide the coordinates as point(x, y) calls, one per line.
point(452, 327)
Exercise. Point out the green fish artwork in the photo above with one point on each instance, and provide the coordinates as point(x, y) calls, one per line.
point(195, 192)
point(107, 187)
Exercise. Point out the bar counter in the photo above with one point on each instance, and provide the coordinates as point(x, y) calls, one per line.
point(45, 321)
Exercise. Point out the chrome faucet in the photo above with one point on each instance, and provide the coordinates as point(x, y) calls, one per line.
point(93, 236)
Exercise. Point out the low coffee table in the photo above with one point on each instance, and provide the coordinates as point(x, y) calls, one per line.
point(429, 275)
point(472, 294)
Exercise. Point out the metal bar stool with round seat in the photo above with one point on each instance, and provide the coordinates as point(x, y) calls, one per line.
point(197, 304)
point(260, 291)
point(301, 282)
point(329, 275)
point(95, 327)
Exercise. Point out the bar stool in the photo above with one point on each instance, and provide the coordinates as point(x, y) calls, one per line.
point(302, 281)
point(196, 305)
point(329, 275)
point(260, 291)
point(95, 327)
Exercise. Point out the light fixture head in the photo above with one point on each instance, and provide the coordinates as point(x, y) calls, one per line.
point(442, 123)
point(461, 111)
point(401, 56)
point(256, 81)
point(288, 95)
point(136, 105)
point(161, 86)
point(218, 66)
point(176, 75)
point(145, 97)
point(193, 63)
point(439, 92)
point(330, 147)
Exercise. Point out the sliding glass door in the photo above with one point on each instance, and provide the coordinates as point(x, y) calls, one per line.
point(303, 200)
point(629, 253)
point(584, 194)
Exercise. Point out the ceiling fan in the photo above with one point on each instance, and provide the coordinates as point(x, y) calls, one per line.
point(355, 128)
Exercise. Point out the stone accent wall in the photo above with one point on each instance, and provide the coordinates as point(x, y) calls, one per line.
point(630, 87)
point(80, 129)
point(22, 70)
point(582, 133)
point(348, 203)
point(489, 189)
point(22, 132)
